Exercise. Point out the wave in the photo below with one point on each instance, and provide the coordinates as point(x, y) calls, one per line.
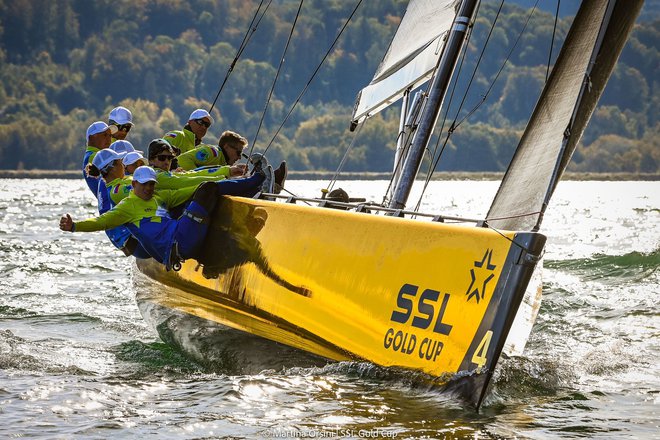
point(634, 266)
point(10, 312)
point(520, 378)
point(14, 355)
point(15, 312)
point(146, 359)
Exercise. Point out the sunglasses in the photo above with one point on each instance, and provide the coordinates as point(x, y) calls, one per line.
point(124, 127)
point(203, 122)
point(164, 157)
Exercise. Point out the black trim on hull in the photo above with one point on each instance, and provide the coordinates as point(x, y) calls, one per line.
point(471, 382)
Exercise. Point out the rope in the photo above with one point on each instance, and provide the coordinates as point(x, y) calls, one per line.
point(451, 99)
point(239, 52)
point(514, 216)
point(277, 74)
point(309, 82)
point(529, 251)
point(490, 88)
point(455, 124)
point(332, 182)
point(552, 42)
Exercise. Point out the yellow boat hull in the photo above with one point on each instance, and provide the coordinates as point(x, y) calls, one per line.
point(420, 295)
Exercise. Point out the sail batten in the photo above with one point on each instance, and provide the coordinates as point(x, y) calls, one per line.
point(412, 55)
point(583, 67)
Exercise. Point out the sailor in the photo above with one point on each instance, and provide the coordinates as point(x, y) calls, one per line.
point(132, 161)
point(122, 118)
point(146, 214)
point(228, 152)
point(98, 137)
point(111, 190)
point(122, 147)
point(193, 132)
point(161, 155)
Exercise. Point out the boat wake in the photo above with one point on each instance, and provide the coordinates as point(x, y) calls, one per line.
point(519, 378)
point(220, 349)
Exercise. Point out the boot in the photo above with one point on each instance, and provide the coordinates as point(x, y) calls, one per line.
point(280, 177)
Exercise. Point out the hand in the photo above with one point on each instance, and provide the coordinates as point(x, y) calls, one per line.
point(238, 170)
point(66, 223)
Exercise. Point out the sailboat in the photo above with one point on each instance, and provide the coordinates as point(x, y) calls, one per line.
point(438, 295)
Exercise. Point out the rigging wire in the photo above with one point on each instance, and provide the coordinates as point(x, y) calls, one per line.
point(455, 124)
point(277, 74)
point(520, 246)
point(499, 72)
point(430, 171)
point(552, 42)
point(333, 180)
point(306, 87)
point(399, 159)
point(309, 82)
point(246, 39)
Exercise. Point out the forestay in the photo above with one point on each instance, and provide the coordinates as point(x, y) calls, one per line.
point(583, 67)
point(411, 57)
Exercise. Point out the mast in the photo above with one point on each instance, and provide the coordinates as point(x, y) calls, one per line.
point(400, 141)
point(436, 96)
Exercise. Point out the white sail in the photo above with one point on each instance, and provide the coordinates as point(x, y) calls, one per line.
point(411, 57)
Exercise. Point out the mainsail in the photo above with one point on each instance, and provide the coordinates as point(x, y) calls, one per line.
point(411, 57)
point(591, 49)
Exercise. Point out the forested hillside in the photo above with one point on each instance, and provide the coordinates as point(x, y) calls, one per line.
point(66, 63)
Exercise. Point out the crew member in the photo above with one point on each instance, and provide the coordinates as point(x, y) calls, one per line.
point(146, 214)
point(228, 152)
point(132, 161)
point(99, 136)
point(161, 155)
point(113, 187)
point(122, 118)
point(193, 132)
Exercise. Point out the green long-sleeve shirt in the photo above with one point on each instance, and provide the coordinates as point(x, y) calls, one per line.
point(132, 209)
point(184, 139)
point(169, 180)
point(204, 155)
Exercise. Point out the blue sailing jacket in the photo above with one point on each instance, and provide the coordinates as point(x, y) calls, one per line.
point(148, 221)
point(92, 182)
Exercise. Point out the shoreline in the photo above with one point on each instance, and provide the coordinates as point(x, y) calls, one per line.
point(327, 175)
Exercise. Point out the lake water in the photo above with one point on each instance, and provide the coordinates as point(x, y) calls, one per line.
point(78, 361)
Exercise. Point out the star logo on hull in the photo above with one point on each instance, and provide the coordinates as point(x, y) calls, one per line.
point(482, 267)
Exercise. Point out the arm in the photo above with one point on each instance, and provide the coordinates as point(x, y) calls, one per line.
point(180, 181)
point(176, 197)
point(219, 172)
point(117, 216)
